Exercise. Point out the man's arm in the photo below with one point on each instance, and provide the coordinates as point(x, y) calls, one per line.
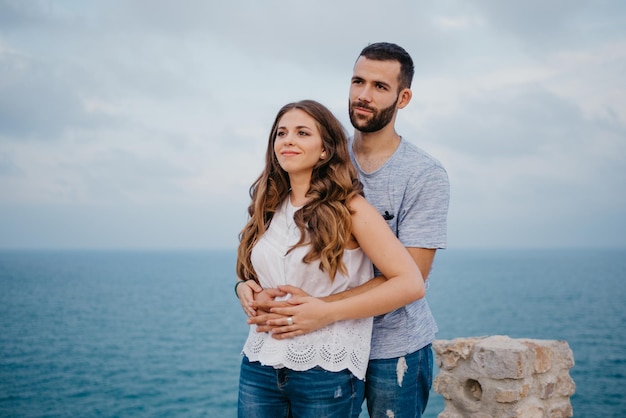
point(424, 258)
point(404, 286)
point(267, 322)
point(370, 284)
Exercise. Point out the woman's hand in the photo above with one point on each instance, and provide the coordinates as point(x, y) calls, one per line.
point(307, 314)
point(264, 304)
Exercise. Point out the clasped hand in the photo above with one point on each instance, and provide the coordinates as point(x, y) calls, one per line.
point(270, 315)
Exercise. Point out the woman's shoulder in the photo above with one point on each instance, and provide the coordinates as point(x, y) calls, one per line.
point(357, 201)
point(361, 206)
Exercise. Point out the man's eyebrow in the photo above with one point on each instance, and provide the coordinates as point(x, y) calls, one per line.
point(383, 83)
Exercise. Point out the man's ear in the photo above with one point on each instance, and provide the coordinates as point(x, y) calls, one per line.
point(404, 98)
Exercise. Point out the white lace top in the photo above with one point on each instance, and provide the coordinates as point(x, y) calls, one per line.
point(341, 345)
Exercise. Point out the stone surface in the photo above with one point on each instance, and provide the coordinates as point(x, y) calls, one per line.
point(497, 376)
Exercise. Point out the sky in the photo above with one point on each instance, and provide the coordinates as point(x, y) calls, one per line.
point(142, 124)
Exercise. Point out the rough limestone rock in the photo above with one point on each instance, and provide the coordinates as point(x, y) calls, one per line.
point(497, 376)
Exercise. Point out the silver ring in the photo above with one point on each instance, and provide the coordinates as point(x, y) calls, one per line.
point(290, 320)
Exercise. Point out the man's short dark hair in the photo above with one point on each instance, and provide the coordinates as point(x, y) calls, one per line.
point(386, 51)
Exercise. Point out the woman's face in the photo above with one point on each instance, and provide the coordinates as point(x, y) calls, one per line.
point(298, 143)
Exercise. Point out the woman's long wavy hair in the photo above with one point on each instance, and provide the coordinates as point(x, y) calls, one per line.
point(324, 222)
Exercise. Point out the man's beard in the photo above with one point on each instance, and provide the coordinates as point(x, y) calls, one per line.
point(379, 119)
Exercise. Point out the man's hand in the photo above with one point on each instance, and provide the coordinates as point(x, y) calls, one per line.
point(264, 299)
point(245, 293)
point(262, 319)
point(265, 302)
point(307, 314)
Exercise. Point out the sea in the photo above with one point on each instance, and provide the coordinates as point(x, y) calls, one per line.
point(91, 333)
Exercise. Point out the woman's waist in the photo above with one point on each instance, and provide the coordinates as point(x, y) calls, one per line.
point(350, 331)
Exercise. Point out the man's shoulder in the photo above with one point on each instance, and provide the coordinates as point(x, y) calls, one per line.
point(415, 156)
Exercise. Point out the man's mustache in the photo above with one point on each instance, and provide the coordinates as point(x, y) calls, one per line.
point(362, 105)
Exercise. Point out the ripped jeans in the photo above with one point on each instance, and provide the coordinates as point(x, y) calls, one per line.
point(399, 387)
point(266, 392)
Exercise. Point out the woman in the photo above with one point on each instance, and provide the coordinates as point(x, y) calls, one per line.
point(311, 227)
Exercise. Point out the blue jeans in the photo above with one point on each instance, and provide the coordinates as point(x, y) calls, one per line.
point(399, 387)
point(266, 392)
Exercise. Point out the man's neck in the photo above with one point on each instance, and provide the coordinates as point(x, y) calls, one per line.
point(373, 149)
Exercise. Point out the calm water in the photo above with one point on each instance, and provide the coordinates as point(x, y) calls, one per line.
point(158, 334)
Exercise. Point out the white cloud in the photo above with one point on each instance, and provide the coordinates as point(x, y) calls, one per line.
point(140, 124)
point(456, 23)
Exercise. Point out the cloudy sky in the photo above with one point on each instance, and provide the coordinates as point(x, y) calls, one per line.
point(141, 124)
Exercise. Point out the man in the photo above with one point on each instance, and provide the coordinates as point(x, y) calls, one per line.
point(410, 189)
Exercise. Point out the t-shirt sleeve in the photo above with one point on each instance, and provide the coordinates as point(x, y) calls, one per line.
point(423, 220)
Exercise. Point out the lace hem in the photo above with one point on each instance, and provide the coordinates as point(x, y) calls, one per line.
point(343, 345)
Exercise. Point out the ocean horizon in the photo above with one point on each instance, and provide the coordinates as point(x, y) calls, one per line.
point(158, 333)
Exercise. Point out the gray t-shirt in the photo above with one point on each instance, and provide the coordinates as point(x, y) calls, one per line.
point(412, 192)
